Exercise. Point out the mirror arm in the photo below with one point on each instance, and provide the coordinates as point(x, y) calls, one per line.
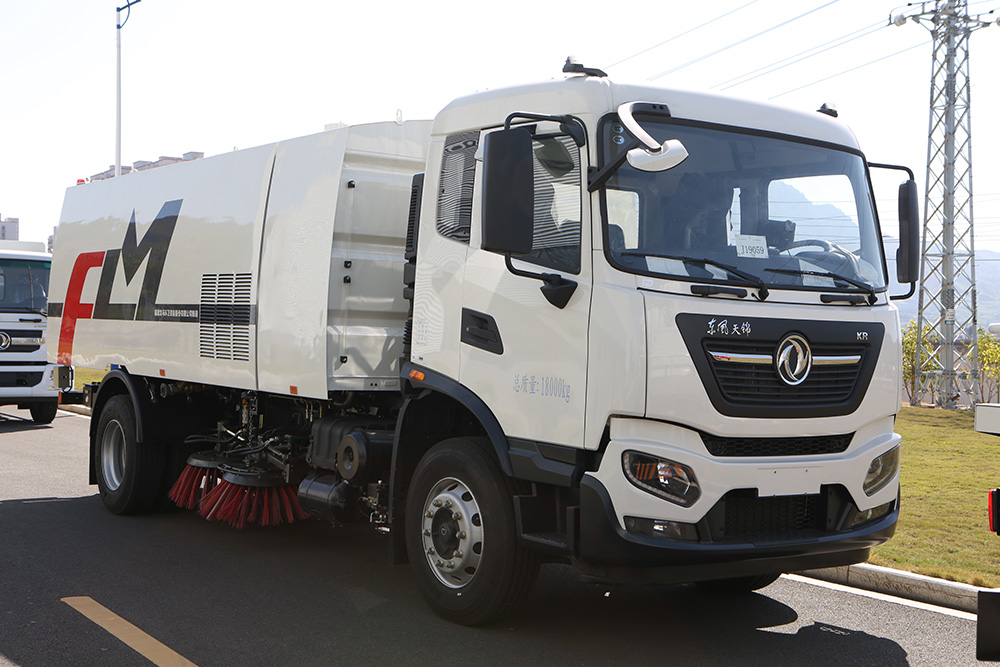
point(900, 297)
point(571, 125)
point(633, 126)
point(556, 290)
point(897, 167)
point(909, 172)
point(598, 177)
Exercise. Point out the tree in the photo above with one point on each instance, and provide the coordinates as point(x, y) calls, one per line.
point(910, 363)
point(989, 366)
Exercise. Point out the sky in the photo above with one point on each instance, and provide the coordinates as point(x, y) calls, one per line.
point(216, 75)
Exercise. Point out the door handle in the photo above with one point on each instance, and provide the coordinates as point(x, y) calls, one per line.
point(481, 331)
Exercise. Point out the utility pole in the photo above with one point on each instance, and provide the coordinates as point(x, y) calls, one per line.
point(118, 104)
point(947, 326)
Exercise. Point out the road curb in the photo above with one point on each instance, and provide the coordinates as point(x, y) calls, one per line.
point(902, 584)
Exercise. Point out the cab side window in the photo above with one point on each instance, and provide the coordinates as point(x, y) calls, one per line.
point(458, 172)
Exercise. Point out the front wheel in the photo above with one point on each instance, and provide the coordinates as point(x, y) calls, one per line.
point(461, 536)
point(43, 413)
point(128, 475)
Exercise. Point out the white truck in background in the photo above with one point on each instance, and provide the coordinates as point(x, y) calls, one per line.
point(27, 379)
point(643, 331)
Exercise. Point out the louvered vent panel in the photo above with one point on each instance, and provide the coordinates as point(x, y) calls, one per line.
point(225, 316)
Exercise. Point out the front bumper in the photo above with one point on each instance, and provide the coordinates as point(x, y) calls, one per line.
point(606, 551)
point(29, 382)
point(756, 514)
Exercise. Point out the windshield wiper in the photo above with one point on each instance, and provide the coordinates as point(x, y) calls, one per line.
point(872, 297)
point(747, 278)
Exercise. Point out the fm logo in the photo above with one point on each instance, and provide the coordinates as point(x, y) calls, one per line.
point(131, 255)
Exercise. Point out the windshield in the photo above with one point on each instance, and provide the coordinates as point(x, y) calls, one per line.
point(24, 285)
point(791, 215)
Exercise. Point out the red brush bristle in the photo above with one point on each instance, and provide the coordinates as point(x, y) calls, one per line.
point(186, 490)
point(189, 480)
point(285, 506)
point(242, 505)
point(194, 483)
point(268, 515)
point(213, 501)
point(295, 509)
point(255, 508)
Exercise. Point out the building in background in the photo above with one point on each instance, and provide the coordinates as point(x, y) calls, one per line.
point(9, 229)
point(143, 165)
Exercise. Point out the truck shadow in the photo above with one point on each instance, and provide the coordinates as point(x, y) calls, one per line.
point(308, 594)
point(704, 628)
point(13, 421)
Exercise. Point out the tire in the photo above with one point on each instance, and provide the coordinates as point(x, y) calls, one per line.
point(461, 535)
point(128, 475)
point(737, 585)
point(43, 413)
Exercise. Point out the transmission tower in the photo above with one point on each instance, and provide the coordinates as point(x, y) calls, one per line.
point(948, 368)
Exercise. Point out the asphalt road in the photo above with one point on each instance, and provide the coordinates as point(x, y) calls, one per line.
point(308, 594)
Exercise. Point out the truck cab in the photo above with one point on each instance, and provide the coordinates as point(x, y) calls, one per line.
point(675, 307)
point(27, 380)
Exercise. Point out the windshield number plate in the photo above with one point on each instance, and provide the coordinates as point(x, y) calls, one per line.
point(751, 246)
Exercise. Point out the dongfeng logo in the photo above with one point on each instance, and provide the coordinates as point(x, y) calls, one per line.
point(794, 359)
point(4, 340)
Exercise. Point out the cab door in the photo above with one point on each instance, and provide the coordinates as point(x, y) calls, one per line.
point(520, 353)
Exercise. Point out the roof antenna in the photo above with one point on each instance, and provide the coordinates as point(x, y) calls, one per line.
point(573, 67)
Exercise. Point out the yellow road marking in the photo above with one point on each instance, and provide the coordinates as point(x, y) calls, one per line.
point(151, 649)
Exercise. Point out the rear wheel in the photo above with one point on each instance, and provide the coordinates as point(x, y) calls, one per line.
point(43, 413)
point(461, 536)
point(128, 475)
point(739, 584)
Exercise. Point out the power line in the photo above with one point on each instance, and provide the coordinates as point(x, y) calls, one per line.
point(686, 32)
point(742, 41)
point(791, 60)
point(847, 71)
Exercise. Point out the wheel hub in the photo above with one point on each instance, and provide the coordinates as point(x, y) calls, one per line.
point(444, 533)
point(113, 455)
point(452, 533)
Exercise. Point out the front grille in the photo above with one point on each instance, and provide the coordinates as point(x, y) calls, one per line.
point(16, 379)
point(29, 340)
point(759, 384)
point(801, 446)
point(749, 518)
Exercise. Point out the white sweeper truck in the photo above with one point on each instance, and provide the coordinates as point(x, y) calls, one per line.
point(643, 331)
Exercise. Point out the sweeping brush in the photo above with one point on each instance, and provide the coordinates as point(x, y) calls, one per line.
point(198, 478)
point(244, 497)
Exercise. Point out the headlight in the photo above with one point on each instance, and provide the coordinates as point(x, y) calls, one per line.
point(881, 471)
point(662, 477)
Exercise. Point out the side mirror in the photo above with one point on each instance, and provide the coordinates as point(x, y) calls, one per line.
point(651, 155)
point(908, 254)
point(671, 154)
point(508, 192)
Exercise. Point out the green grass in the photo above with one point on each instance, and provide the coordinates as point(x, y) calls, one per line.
point(86, 375)
point(943, 529)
